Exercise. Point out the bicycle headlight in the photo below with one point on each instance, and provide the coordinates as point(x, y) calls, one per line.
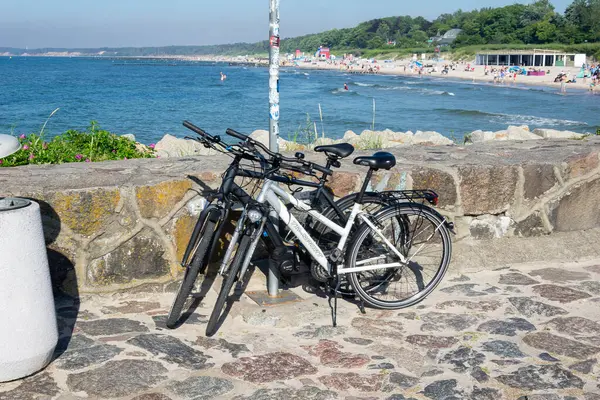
point(255, 215)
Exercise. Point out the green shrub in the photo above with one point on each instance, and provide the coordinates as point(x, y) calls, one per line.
point(94, 144)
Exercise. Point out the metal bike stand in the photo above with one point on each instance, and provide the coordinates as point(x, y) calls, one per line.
point(273, 296)
point(273, 278)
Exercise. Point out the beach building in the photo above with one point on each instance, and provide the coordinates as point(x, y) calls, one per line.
point(447, 38)
point(323, 53)
point(531, 58)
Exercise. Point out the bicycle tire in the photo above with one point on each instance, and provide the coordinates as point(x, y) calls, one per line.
point(214, 322)
point(191, 274)
point(443, 241)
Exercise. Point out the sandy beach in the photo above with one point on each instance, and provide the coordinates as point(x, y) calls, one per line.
point(398, 68)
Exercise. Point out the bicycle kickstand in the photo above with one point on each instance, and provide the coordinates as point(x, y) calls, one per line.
point(334, 308)
point(361, 306)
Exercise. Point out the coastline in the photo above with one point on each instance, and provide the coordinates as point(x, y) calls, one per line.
point(394, 69)
point(476, 76)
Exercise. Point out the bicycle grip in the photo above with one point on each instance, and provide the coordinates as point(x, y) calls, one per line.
point(194, 128)
point(236, 135)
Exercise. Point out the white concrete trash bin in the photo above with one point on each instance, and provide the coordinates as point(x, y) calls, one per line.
point(28, 331)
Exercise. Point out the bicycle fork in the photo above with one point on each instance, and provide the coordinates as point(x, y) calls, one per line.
point(234, 239)
point(253, 243)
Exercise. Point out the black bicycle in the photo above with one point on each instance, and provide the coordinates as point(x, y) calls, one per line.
point(212, 219)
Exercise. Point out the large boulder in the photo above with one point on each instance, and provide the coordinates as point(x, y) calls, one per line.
point(554, 134)
point(170, 146)
point(512, 133)
point(371, 140)
point(262, 136)
point(480, 136)
point(431, 138)
point(392, 136)
point(324, 142)
point(379, 139)
point(349, 135)
point(520, 133)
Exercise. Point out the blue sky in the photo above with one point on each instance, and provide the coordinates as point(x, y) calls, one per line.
point(117, 23)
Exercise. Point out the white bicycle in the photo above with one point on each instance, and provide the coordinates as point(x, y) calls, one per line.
point(393, 259)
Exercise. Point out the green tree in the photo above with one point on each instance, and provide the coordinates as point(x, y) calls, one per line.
point(545, 31)
point(383, 31)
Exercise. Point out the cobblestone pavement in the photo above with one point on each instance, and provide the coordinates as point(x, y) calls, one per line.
point(526, 332)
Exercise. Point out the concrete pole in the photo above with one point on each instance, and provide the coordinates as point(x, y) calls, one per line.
point(273, 278)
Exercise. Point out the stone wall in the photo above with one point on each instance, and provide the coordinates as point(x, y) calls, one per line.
point(124, 225)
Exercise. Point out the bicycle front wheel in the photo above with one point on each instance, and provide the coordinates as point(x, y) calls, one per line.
point(223, 303)
point(421, 236)
point(199, 260)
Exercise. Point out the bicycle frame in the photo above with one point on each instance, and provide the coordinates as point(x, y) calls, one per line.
point(229, 186)
point(272, 194)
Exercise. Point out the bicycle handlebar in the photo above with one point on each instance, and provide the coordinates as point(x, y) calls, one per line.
point(199, 131)
point(236, 134)
point(310, 166)
point(278, 156)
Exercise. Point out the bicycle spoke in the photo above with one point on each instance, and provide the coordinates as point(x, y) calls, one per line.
point(420, 239)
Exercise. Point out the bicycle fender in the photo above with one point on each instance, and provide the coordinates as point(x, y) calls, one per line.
point(448, 224)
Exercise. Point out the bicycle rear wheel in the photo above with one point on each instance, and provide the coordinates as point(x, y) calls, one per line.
point(223, 304)
point(199, 261)
point(421, 236)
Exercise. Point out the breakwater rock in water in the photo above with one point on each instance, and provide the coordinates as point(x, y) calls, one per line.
point(171, 146)
point(521, 133)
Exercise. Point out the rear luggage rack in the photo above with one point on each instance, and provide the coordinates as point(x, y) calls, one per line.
point(412, 196)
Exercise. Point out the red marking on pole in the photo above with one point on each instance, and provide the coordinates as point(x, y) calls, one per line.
point(274, 41)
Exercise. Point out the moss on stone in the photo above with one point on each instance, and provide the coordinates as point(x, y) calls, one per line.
point(158, 200)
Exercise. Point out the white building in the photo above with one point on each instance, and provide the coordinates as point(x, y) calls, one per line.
point(531, 58)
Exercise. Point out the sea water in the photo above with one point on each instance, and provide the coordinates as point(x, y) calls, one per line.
point(150, 98)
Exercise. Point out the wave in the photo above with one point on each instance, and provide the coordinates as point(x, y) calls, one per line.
point(512, 119)
point(424, 91)
point(370, 85)
point(365, 84)
point(344, 92)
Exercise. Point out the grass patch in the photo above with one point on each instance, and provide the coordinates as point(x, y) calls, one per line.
point(370, 142)
point(94, 144)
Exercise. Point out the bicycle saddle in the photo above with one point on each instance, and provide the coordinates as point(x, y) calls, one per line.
point(379, 160)
point(342, 150)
